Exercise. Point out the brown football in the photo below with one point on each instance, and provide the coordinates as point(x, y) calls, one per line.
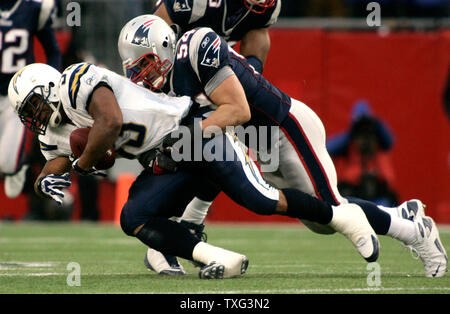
point(78, 141)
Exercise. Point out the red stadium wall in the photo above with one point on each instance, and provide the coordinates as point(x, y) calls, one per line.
point(401, 74)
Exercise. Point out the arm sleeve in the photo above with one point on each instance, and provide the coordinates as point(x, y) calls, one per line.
point(48, 151)
point(209, 58)
point(180, 11)
point(77, 84)
point(274, 16)
point(82, 81)
point(255, 63)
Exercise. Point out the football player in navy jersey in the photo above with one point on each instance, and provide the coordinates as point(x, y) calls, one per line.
point(201, 67)
point(20, 21)
point(246, 21)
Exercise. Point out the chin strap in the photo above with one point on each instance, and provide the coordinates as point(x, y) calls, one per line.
point(55, 118)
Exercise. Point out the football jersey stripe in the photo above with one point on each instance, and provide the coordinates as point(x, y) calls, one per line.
point(74, 82)
point(198, 10)
point(47, 147)
point(296, 135)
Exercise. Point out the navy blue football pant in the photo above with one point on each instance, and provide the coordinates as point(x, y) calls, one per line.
point(167, 195)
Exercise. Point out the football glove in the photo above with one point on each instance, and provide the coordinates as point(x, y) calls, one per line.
point(52, 186)
point(176, 139)
point(90, 172)
point(157, 162)
point(163, 163)
point(184, 145)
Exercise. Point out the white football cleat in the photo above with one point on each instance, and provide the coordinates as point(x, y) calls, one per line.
point(350, 220)
point(411, 209)
point(216, 270)
point(212, 271)
point(428, 247)
point(163, 264)
point(14, 183)
point(234, 264)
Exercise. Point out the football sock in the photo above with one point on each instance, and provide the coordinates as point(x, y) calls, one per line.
point(196, 211)
point(168, 237)
point(206, 253)
point(402, 229)
point(378, 219)
point(390, 210)
point(304, 206)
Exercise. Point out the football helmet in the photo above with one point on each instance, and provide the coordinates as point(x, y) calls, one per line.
point(259, 6)
point(147, 48)
point(33, 94)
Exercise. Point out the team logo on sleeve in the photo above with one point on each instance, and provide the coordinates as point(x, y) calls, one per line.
point(140, 38)
point(211, 57)
point(181, 6)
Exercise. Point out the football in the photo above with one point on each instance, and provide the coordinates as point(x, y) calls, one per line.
point(78, 141)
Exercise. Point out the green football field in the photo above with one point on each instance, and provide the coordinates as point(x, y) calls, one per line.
point(284, 259)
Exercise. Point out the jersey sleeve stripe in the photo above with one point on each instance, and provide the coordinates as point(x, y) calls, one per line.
point(198, 10)
point(274, 17)
point(47, 147)
point(74, 82)
point(217, 79)
point(47, 8)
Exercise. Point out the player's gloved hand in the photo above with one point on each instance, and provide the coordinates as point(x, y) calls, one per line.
point(157, 162)
point(52, 186)
point(90, 172)
point(184, 135)
point(163, 163)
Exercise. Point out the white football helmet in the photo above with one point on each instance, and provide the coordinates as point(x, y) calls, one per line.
point(259, 6)
point(31, 91)
point(147, 47)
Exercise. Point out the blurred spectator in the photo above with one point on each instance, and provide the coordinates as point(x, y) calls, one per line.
point(362, 158)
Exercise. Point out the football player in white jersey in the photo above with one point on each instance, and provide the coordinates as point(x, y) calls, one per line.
point(135, 120)
point(20, 22)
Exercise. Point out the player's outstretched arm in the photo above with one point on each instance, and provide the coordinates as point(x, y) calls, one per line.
point(52, 179)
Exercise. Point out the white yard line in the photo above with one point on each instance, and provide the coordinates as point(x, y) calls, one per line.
point(33, 275)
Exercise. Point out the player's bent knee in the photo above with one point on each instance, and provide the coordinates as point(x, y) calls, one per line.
point(128, 224)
